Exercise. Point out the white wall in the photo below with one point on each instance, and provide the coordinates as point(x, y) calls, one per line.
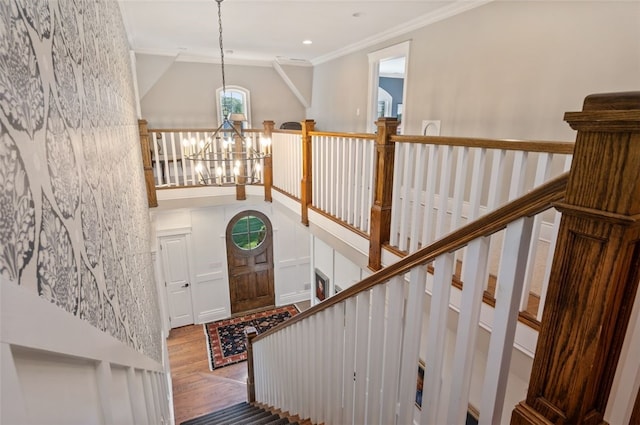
point(184, 96)
point(206, 226)
point(502, 70)
point(80, 335)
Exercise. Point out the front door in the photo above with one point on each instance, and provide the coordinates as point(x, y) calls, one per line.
point(250, 259)
point(175, 265)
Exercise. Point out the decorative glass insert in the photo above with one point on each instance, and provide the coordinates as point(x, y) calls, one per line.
point(248, 232)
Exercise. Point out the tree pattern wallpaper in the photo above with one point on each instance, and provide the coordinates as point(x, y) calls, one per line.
point(74, 224)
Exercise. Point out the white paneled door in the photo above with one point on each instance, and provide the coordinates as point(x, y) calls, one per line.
point(175, 263)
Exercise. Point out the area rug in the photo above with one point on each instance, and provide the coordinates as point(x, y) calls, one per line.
point(225, 338)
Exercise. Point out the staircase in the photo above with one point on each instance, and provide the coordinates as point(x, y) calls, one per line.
point(242, 414)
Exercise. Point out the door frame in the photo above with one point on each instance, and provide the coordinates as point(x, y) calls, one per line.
point(250, 210)
point(160, 235)
point(395, 51)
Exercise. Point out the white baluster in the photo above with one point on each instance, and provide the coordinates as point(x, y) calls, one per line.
point(462, 165)
point(416, 216)
point(405, 218)
point(479, 162)
point(432, 170)
point(411, 344)
point(362, 353)
point(474, 274)
point(175, 159)
point(337, 363)
point(393, 340)
point(376, 353)
point(445, 183)
point(436, 339)
point(510, 277)
point(497, 177)
point(349, 361)
point(156, 156)
point(165, 160)
point(396, 206)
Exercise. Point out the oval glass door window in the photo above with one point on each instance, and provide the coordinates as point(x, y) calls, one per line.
point(248, 232)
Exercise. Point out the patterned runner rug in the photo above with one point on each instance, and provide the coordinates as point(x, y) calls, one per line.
point(225, 338)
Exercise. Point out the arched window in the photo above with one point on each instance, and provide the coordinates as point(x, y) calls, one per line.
point(236, 99)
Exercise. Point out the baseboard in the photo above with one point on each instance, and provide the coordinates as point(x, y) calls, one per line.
point(294, 297)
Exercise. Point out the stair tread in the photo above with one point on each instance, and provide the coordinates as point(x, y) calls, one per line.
point(223, 416)
point(263, 421)
point(245, 420)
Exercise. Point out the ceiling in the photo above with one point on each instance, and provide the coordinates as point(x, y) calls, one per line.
point(268, 30)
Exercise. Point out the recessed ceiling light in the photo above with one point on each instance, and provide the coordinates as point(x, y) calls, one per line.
point(307, 42)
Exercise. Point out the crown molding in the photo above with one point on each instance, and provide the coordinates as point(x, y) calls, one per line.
point(419, 22)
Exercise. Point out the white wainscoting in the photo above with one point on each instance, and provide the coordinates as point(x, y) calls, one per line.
point(57, 368)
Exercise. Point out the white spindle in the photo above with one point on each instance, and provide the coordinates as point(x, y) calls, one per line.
point(351, 179)
point(337, 363)
point(474, 274)
point(165, 160)
point(362, 352)
point(517, 239)
point(416, 216)
point(436, 338)
point(341, 179)
point(156, 155)
point(445, 183)
point(497, 176)
point(543, 169)
point(405, 221)
point(349, 360)
point(376, 352)
point(396, 208)
point(174, 157)
point(432, 170)
point(393, 340)
point(552, 248)
point(477, 175)
point(518, 174)
point(462, 165)
point(411, 344)
point(369, 182)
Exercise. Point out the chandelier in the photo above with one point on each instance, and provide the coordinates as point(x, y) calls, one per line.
point(229, 155)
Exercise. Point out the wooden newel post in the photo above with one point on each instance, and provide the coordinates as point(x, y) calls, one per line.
point(146, 163)
point(381, 209)
point(306, 196)
point(250, 333)
point(239, 161)
point(595, 270)
point(268, 160)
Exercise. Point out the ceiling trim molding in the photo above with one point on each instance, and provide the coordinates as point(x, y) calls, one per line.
point(419, 22)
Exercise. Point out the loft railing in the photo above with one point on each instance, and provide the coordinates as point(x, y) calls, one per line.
point(357, 352)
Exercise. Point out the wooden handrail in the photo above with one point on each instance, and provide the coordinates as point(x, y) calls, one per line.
point(534, 202)
point(517, 145)
point(369, 136)
point(201, 130)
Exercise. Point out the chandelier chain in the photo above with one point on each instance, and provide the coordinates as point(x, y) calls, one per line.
point(225, 105)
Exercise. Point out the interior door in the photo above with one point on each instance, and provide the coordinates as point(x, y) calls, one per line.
point(175, 265)
point(250, 260)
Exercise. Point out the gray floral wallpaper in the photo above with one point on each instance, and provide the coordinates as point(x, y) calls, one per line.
point(74, 224)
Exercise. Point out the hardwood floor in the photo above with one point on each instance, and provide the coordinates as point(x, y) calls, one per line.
point(196, 389)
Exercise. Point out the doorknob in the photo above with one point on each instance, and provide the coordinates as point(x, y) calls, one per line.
point(185, 285)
